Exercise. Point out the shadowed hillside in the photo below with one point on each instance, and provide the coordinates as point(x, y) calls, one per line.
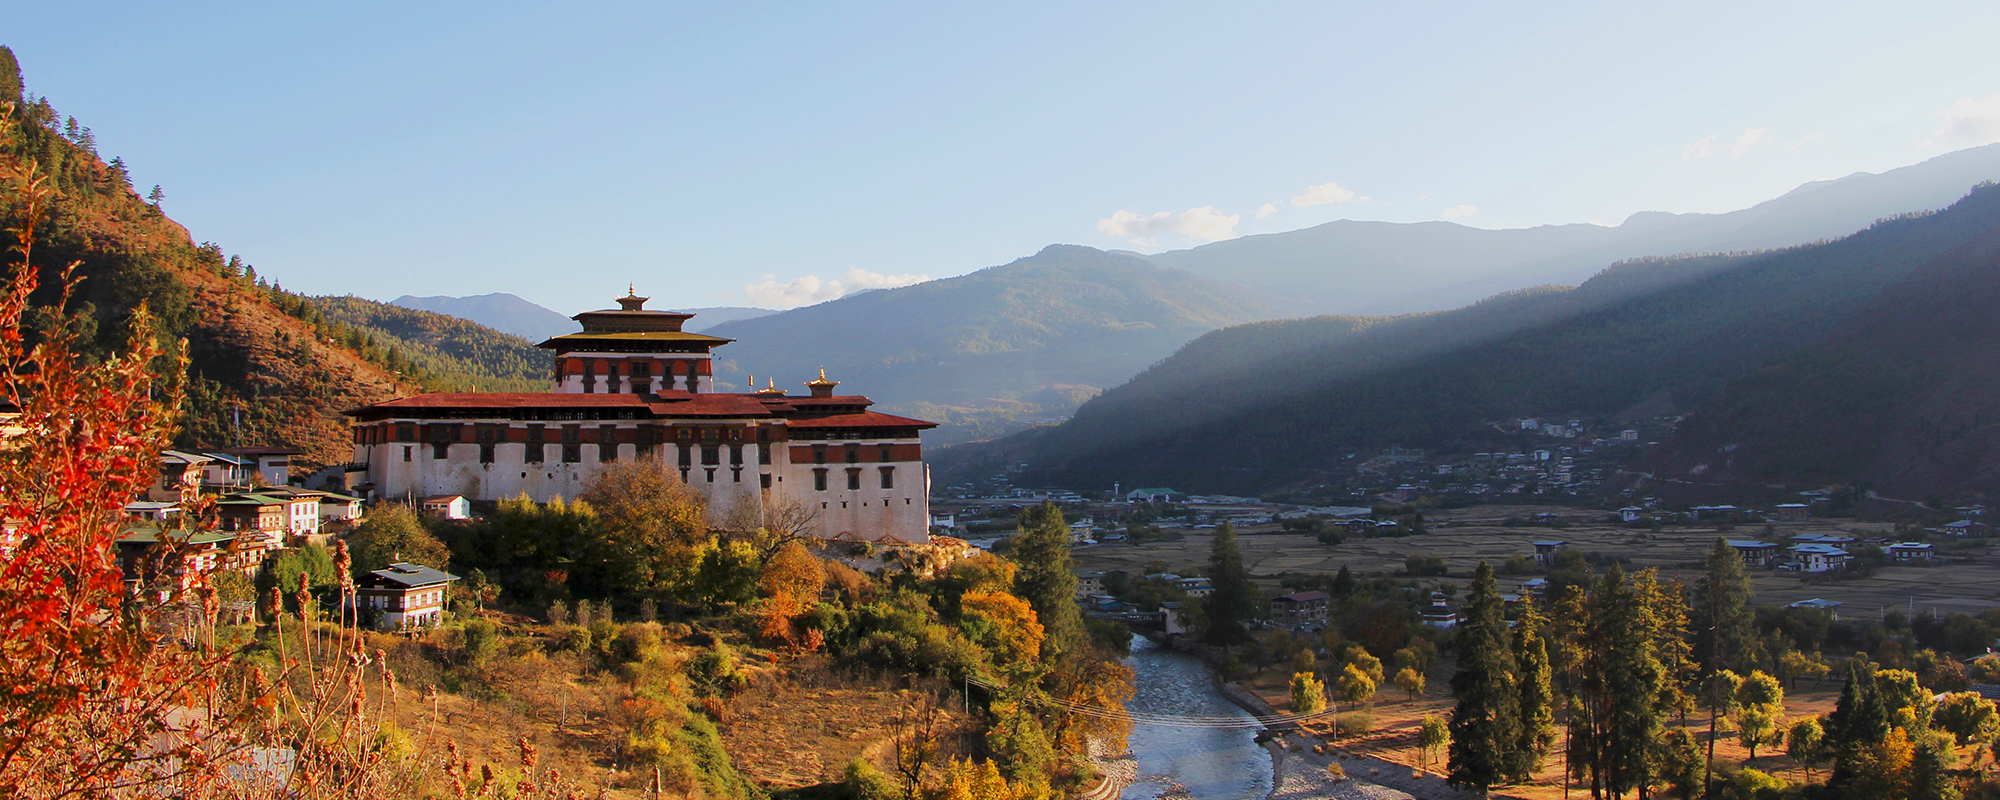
point(1683, 332)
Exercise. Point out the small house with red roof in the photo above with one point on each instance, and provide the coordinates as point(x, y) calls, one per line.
point(632, 385)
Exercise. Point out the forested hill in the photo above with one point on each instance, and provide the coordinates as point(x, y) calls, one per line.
point(1036, 336)
point(1902, 396)
point(291, 369)
point(1674, 336)
point(452, 354)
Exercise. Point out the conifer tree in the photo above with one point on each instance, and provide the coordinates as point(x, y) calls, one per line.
point(1722, 617)
point(1343, 584)
point(1857, 725)
point(1044, 579)
point(1629, 719)
point(10, 76)
point(1232, 600)
point(1531, 661)
point(1486, 724)
point(1928, 778)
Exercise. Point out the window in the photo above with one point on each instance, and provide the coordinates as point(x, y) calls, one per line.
point(607, 443)
point(406, 432)
point(764, 480)
point(736, 455)
point(888, 477)
point(687, 458)
point(888, 453)
point(853, 454)
point(819, 480)
point(406, 453)
point(486, 452)
point(533, 453)
point(819, 454)
point(735, 474)
point(711, 474)
point(572, 452)
point(440, 450)
point(711, 454)
point(854, 479)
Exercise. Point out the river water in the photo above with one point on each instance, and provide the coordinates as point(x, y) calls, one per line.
point(1210, 764)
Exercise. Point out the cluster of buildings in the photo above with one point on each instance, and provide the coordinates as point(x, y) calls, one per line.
point(632, 386)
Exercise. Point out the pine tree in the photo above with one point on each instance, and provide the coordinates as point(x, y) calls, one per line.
point(1928, 778)
point(1486, 724)
point(1531, 661)
point(1343, 584)
point(1629, 719)
point(1044, 579)
point(1722, 613)
point(1232, 601)
point(10, 77)
point(1857, 725)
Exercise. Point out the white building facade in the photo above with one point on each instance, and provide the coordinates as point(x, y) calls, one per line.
point(633, 386)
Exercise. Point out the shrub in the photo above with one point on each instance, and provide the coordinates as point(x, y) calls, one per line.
point(573, 639)
point(1354, 723)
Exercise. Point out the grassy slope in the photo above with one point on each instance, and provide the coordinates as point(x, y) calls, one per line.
point(456, 354)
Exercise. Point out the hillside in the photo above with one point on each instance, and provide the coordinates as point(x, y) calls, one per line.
point(1688, 328)
point(500, 311)
point(1379, 267)
point(1901, 396)
point(250, 343)
point(1033, 337)
point(453, 354)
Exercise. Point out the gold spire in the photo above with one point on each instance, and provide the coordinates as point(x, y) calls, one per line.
point(770, 386)
point(821, 380)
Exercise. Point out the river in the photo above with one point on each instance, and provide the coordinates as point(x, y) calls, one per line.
point(1210, 764)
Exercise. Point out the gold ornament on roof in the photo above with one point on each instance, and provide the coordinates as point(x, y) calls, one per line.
point(822, 381)
point(770, 387)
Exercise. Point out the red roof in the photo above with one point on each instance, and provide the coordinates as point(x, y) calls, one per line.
point(508, 400)
point(865, 419)
point(710, 405)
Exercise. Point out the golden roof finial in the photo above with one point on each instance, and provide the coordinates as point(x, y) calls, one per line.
point(770, 386)
point(822, 380)
point(751, 381)
point(632, 289)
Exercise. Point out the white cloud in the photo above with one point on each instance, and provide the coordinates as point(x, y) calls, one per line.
point(1750, 138)
point(1968, 123)
point(806, 290)
point(1458, 211)
point(1702, 148)
point(1325, 193)
point(1266, 210)
point(1206, 223)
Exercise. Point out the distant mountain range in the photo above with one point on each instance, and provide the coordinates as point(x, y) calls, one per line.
point(1349, 267)
point(509, 313)
point(1854, 359)
point(1031, 338)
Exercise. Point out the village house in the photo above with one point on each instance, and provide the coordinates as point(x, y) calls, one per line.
point(1792, 512)
point(1440, 614)
point(1911, 552)
point(265, 517)
point(1756, 554)
point(272, 465)
point(447, 506)
point(180, 477)
point(1819, 557)
point(1965, 527)
point(1831, 607)
point(224, 472)
point(151, 510)
point(1159, 494)
point(1088, 584)
point(1299, 608)
point(1630, 514)
point(339, 508)
point(1828, 539)
point(404, 595)
point(1176, 617)
point(1545, 552)
point(1196, 587)
point(634, 386)
point(201, 552)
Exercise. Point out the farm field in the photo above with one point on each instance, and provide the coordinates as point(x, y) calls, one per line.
point(1969, 583)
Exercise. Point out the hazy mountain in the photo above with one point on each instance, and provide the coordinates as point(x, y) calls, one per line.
point(453, 354)
point(706, 318)
point(1032, 337)
point(1251, 408)
point(1380, 267)
point(500, 311)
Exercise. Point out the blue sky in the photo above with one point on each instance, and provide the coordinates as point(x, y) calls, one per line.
point(718, 154)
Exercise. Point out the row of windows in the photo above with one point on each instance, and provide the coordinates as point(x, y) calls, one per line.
point(851, 453)
point(854, 478)
point(645, 434)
